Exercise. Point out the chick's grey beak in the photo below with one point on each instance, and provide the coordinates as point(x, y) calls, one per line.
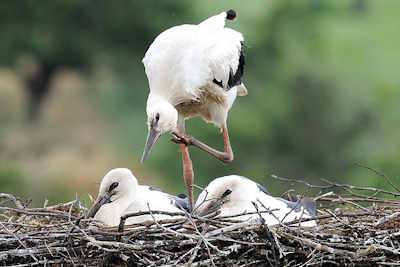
point(207, 209)
point(100, 201)
point(213, 206)
point(151, 140)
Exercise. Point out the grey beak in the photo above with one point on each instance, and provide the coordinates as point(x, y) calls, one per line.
point(215, 205)
point(151, 140)
point(209, 208)
point(100, 201)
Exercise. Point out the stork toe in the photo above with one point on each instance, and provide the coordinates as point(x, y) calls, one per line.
point(187, 140)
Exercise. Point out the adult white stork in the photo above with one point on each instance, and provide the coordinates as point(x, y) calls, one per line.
point(234, 195)
point(193, 70)
point(120, 193)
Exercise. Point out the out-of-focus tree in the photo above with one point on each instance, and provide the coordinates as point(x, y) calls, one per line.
point(311, 131)
point(322, 81)
point(44, 36)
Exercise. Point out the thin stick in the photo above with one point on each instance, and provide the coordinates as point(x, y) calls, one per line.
point(13, 199)
point(379, 174)
point(372, 189)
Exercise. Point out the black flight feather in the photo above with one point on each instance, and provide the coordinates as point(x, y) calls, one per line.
point(236, 78)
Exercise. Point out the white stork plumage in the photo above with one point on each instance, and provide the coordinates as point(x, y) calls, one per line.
point(232, 195)
point(193, 70)
point(120, 193)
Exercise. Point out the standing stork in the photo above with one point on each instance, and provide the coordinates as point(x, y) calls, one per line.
point(193, 70)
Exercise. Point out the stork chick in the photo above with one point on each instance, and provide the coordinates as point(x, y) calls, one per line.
point(233, 195)
point(193, 70)
point(120, 193)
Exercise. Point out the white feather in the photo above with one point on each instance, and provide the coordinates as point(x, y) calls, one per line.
point(244, 193)
point(183, 61)
point(216, 22)
point(131, 197)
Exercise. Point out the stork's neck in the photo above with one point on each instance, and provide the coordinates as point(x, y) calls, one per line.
point(122, 203)
point(128, 193)
point(155, 100)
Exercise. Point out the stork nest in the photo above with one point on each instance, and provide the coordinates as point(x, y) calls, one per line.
point(353, 230)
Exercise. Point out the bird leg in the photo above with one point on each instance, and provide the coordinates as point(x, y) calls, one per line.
point(226, 156)
point(188, 173)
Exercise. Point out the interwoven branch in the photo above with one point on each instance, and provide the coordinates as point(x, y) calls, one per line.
point(346, 234)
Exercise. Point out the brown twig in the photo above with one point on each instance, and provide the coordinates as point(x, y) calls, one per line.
point(13, 199)
point(388, 180)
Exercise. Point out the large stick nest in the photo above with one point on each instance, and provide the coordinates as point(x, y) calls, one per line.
point(353, 230)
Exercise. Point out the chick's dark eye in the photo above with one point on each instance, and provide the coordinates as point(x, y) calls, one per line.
point(226, 193)
point(112, 186)
point(157, 117)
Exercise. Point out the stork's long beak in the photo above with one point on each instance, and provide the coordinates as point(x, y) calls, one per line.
point(214, 205)
point(100, 201)
point(207, 209)
point(151, 140)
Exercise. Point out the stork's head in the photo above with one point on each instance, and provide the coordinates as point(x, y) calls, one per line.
point(162, 117)
point(226, 193)
point(117, 184)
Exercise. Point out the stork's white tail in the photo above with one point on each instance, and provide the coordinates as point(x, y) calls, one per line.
point(241, 90)
point(218, 21)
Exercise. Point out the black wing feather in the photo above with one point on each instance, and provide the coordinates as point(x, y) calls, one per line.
point(152, 188)
point(181, 201)
point(219, 83)
point(306, 203)
point(236, 78)
point(263, 189)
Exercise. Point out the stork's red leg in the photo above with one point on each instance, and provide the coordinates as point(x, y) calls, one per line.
point(226, 156)
point(188, 173)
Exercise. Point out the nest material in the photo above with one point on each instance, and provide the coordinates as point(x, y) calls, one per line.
point(352, 235)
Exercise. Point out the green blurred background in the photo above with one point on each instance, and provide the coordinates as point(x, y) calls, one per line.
point(323, 80)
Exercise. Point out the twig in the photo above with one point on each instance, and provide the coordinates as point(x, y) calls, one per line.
point(379, 174)
point(134, 214)
point(299, 182)
point(386, 219)
point(366, 199)
point(231, 228)
point(372, 189)
point(13, 199)
point(352, 203)
point(318, 246)
point(19, 241)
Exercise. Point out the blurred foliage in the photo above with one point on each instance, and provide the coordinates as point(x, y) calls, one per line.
point(322, 78)
point(74, 33)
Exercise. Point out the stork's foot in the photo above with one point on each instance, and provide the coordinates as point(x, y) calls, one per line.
point(226, 156)
point(186, 140)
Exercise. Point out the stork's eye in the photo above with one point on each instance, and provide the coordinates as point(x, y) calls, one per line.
point(157, 117)
point(113, 186)
point(226, 193)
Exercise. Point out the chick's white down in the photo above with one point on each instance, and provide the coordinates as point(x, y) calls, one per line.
point(130, 197)
point(243, 194)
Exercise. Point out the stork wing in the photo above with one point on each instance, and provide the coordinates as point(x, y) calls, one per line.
point(185, 58)
point(181, 201)
point(306, 203)
point(225, 57)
